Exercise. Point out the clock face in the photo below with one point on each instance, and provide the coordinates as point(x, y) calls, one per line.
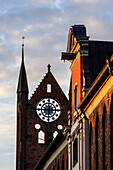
point(48, 110)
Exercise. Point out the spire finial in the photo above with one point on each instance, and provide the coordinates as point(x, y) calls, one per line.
point(49, 66)
point(23, 49)
point(23, 41)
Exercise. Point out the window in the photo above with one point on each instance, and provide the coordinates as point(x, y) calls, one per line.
point(60, 127)
point(75, 97)
point(53, 167)
point(63, 163)
point(90, 145)
point(37, 126)
point(58, 167)
point(48, 88)
point(103, 125)
point(41, 137)
point(96, 140)
point(55, 134)
point(75, 151)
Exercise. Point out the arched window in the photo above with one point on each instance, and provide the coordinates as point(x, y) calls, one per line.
point(48, 88)
point(75, 151)
point(103, 126)
point(90, 145)
point(41, 137)
point(63, 163)
point(67, 161)
point(96, 140)
point(111, 130)
point(58, 167)
point(53, 167)
point(55, 134)
point(75, 97)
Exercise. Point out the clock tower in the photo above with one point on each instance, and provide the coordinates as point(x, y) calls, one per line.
point(39, 119)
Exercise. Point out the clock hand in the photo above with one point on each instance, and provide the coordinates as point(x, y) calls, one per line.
point(48, 109)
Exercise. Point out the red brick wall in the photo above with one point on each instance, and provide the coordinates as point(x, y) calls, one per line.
point(76, 78)
point(34, 150)
point(58, 160)
point(103, 109)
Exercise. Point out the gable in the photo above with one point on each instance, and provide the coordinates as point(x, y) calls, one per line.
point(55, 91)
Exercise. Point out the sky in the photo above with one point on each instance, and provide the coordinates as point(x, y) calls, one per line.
point(45, 24)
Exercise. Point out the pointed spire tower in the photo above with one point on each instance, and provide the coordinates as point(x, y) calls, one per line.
point(22, 83)
point(22, 107)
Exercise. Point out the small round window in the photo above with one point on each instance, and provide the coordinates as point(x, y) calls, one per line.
point(37, 126)
point(60, 127)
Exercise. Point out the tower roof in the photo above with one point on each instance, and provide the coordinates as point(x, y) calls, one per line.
point(22, 83)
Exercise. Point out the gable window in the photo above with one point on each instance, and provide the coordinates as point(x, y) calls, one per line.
point(41, 137)
point(75, 151)
point(75, 97)
point(48, 88)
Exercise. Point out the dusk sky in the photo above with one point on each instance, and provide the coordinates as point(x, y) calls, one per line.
point(45, 24)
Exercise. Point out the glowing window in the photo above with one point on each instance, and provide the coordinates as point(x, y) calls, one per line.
point(48, 88)
point(41, 137)
point(60, 127)
point(55, 134)
point(37, 126)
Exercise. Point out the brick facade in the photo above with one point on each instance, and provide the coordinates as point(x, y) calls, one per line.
point(34, 149)
point(101, 136)
point(61, 161)
point(29, 150)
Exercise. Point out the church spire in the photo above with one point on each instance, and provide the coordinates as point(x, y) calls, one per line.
point(23, 49)
point(22, 83)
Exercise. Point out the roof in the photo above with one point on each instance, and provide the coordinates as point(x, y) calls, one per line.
point(93, 52)
point(99, 51)
point(22, 83)
point(79, 31)
point(104, 75)
point(50, 150)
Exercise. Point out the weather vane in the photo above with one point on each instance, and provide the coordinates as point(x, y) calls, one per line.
point(23, 41)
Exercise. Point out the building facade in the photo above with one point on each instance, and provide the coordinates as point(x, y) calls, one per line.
point(87, 58)
point(86, 140)
point(39, 119)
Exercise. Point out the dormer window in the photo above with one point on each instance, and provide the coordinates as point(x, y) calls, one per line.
point(48, 88)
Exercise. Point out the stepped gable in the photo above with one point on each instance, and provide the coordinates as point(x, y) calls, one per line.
point(41, 90)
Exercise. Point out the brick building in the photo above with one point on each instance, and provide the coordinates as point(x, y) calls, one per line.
point(86, 141)
point(56, 155)
point(39, 119)
point(87, 58)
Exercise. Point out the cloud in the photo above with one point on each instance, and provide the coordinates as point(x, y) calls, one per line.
point(45, 24)
point(6, 91)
